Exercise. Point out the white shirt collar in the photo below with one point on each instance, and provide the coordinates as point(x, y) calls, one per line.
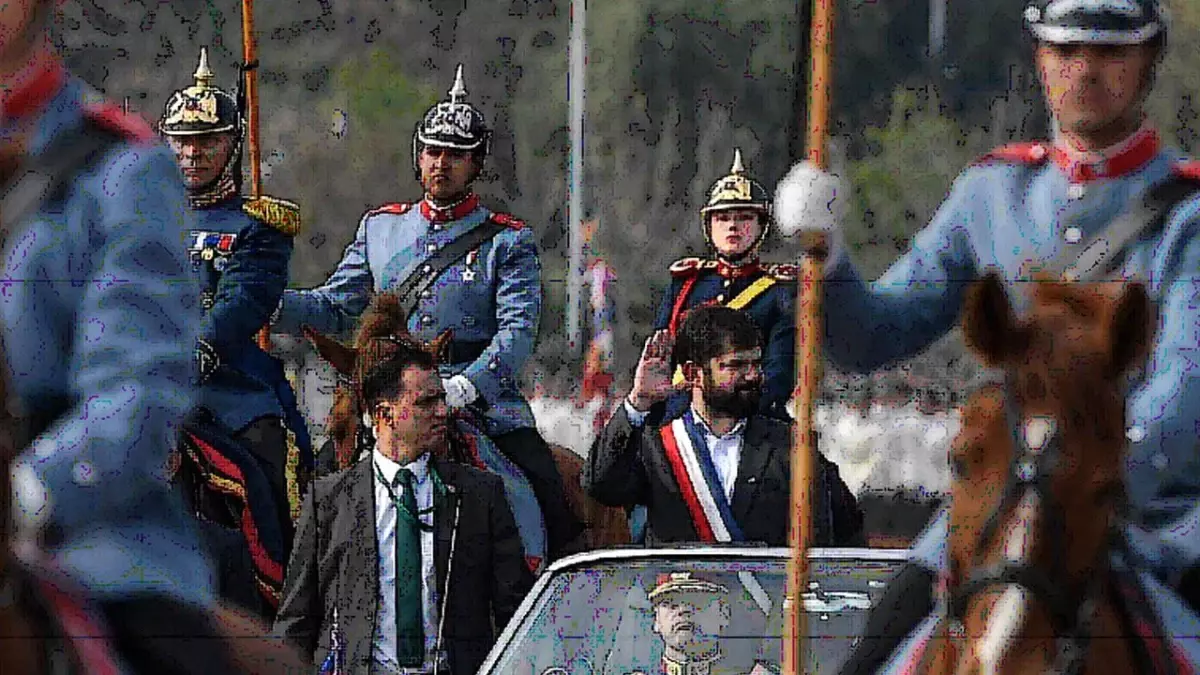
point(737, 429)
point(389, 468)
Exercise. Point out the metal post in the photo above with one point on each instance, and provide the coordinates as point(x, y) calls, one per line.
point(937, 29)
point(575, 96)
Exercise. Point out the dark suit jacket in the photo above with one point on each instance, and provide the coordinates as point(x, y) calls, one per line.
point(628, 466)
point(335, 564)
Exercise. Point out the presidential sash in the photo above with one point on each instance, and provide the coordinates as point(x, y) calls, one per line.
point(699, 485)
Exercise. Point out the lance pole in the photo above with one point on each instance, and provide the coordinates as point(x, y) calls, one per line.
point(249, 58)
point(250, 72)
point(808, 354)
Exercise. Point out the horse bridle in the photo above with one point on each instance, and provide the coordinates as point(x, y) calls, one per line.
point(1072, 611)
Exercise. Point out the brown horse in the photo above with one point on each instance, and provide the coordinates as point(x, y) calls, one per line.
point(605, 526)
point(39, 614)
point(1037, 493)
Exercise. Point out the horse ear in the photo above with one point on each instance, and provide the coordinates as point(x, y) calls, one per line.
point(441, 345)
point(989, 324)
point(335, 353)
point(1131, 328)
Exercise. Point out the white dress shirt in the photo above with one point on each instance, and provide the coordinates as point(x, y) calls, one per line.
point(724, 451)
point(386, 512)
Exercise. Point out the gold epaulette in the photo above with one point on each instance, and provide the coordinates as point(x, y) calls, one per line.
point(278, 213)
point(783, 271)
point(686, 267)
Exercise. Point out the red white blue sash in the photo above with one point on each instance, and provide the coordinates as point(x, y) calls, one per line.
point(688, 455)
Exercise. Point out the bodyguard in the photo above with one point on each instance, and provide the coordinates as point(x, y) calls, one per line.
point(457, 266)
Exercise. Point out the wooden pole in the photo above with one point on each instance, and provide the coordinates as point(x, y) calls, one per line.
point(249, 56)
point(808, 354)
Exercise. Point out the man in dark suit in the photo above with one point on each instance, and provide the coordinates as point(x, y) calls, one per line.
point(721, 471)
point(411, 559)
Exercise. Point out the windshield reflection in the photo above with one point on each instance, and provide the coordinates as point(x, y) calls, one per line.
point(689, 618)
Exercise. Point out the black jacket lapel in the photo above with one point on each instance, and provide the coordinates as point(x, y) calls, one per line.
point(756, 455)
point(443, 521)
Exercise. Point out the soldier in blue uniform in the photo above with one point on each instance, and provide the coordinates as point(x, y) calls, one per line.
point(735, 221)
point(98, 322)
point(1029, 204)
point(457, 266)
point(240, 249)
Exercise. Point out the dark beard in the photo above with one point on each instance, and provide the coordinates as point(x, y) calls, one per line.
point(739, 403)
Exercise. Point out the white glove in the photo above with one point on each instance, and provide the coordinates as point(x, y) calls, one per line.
point(809, 199)
point(459, 391)
point(30, 499)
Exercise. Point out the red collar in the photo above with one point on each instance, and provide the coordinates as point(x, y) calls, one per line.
point(435, 214)
point(745, 269)
point(34, 87)
point(1129, 156)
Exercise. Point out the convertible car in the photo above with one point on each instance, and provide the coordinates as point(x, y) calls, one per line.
point(644, 611)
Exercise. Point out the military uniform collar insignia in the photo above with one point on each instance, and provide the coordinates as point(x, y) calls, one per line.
point(443, 214)
point(1122, 159)
point(743, 268)
point(224, 189)
point(40, 80)
point(698, 666)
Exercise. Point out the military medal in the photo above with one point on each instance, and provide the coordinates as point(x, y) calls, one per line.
point(207, 254)
point(468, 274)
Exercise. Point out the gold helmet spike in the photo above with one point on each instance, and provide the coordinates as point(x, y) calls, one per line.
point(459, 91)
point(738, 167)
point(204, 75)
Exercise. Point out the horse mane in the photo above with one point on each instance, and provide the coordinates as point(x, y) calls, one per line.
point(382, 330)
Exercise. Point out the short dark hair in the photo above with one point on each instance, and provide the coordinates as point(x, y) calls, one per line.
point(390, 357)
point(710, 331)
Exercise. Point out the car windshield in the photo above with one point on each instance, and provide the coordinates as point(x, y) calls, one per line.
point(625, 616)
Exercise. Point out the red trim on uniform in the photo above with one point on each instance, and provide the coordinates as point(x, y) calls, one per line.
point(35, 91)
point(508, 221)
point(112, 118)
point(272, 569)
point(472, 447)
point(677, 309)
point(94, 651)
point(533, 562)
point(1133, 154)
point(396, 209)
point(460, 210)
point(1189, 169)
point(690, 500)
point(1020, 153)
point(738, 271)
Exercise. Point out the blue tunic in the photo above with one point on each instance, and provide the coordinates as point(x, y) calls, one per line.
point(492, 297)
point(99, 313)
point(242, 278)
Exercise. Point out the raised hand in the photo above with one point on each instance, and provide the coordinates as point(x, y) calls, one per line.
point(652, 381)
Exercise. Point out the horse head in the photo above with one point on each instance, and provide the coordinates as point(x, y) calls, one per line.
point(1037, 491)
point(383, 325)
